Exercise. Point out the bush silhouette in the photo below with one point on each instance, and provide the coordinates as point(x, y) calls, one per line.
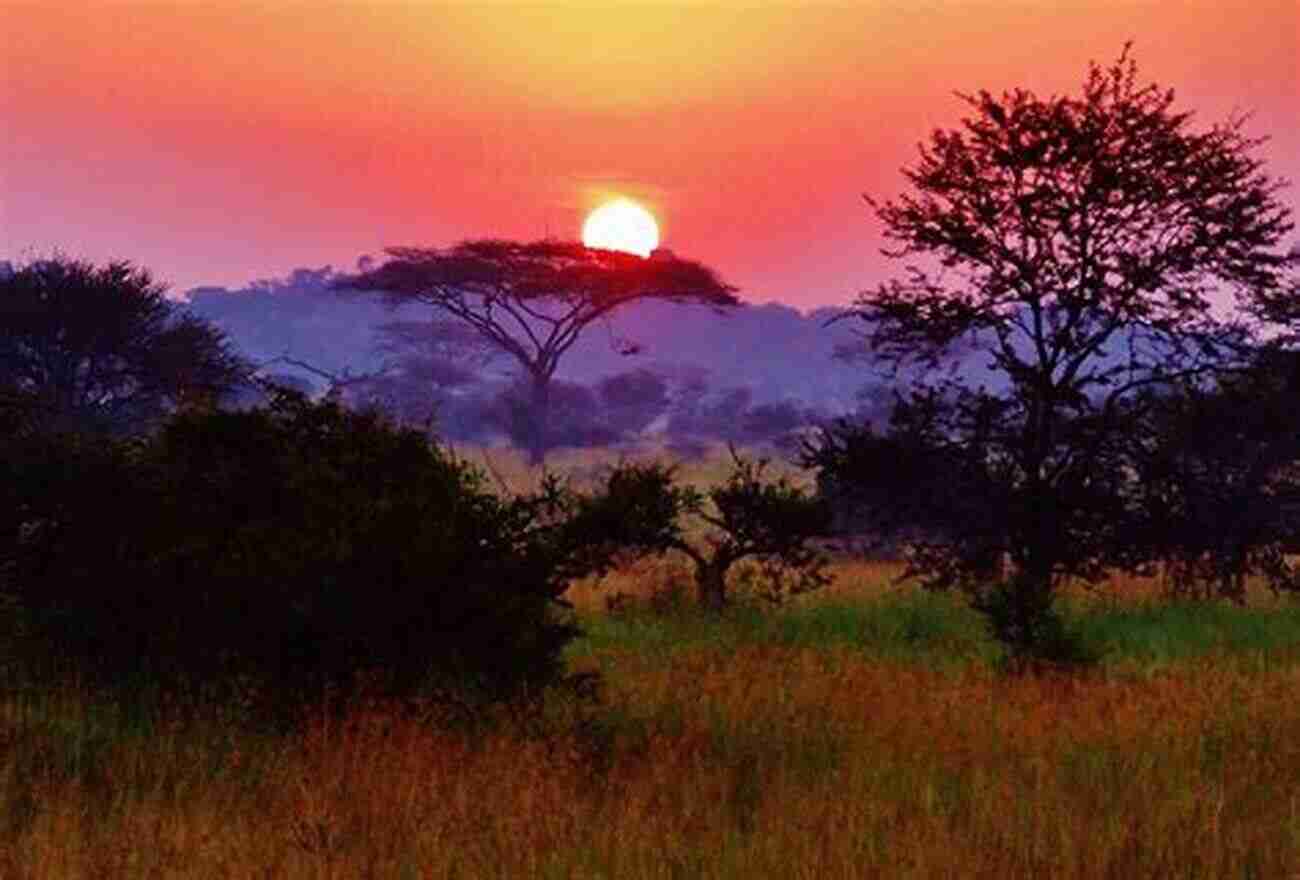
point(301, 546)
point(641, 510)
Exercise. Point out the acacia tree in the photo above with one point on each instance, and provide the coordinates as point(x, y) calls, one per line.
point(101, 348)
point(1077, 243)
point(641, 509)
point(532, 300)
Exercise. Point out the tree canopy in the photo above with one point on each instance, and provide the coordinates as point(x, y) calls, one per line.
point(1088, 246)
point(101, 348)
point(532, 300)
point(1217, 476)
point(641, 509)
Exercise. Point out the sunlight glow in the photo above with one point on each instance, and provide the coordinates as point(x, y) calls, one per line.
point(621, 225)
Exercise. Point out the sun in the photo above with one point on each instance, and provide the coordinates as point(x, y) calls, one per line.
point(621, 225)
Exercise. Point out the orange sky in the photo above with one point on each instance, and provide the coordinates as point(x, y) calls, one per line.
point(217, 142)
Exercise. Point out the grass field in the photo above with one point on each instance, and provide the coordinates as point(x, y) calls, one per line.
point(864, 731)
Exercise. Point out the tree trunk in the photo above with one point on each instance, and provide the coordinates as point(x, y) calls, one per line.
point(711, 584)
point(1028, 627)
point(539, 410)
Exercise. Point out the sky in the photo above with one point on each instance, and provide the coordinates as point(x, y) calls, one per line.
point(218, 142)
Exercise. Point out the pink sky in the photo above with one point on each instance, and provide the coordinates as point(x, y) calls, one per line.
point(220, 142)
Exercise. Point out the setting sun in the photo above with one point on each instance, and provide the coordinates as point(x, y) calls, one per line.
point(621, 225)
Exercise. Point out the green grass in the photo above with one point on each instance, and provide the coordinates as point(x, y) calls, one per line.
point(1155, 635)
point(939, 630)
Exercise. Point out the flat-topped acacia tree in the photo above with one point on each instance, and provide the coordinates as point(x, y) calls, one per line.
point(532, 300)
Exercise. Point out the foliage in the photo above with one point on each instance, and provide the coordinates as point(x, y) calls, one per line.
point(302, 547)
point(531, 301)
point(1076, 242)
point(631, 400)
point(641, 508)
point(730, 414)
point(100, 348)
point(574, 417)
point(427, 378)
point(1217, 479)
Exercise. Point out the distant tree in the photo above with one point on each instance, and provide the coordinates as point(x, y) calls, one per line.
point(630, 401)
point(1076, 243)
point(714, 414)
point(699, 417)
point(611, 412)
point(450, 354)
point(426, 369)
point(531, 301)
point(750, 517)
point(1217, 476)
point(574, 418)
point(775, 423)
point(100, 348)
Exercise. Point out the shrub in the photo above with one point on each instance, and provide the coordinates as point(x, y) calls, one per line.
point(300, 546)
point(770, 524)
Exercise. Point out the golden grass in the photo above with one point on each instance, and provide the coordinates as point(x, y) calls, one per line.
point(764, 762)
point(713, 762)
point(507, 468)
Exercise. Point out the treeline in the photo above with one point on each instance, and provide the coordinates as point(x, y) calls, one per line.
point(688, 375)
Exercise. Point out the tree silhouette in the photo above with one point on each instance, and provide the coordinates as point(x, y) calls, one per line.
point(641, 509)
point(1217, 473)
point(630, 401)
point(100, 348)
point(1076, 242)
point(532, 300)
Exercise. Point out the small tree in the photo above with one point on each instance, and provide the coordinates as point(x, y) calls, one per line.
point(1077, 243)
point(100, 348)
point(531, 301)
point(640, 508)
point(1217, 479)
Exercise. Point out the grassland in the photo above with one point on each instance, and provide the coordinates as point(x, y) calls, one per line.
point(863, 732)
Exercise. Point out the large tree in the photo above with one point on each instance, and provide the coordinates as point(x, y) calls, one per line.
point(101, 348)
point(1081, 243)
point(532, 300)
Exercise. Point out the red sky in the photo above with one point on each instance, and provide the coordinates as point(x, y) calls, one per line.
point(218, 142)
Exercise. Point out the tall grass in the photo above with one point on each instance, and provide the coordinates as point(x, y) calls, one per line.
point(837, 738)
point(509, 470)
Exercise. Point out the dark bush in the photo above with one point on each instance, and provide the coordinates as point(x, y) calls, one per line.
point(102, 349)
point(772, 524)
point(300, 546)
